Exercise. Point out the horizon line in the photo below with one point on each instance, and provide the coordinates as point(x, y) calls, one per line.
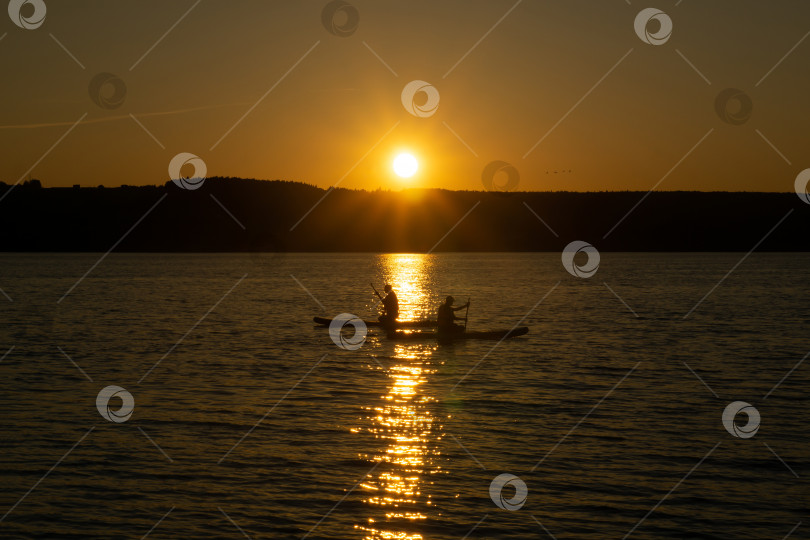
point(237, 179)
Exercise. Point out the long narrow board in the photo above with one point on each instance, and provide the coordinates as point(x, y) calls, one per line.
point(488, 335)
point(323, 321)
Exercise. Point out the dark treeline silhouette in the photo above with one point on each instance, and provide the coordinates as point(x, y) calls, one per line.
point(33, 218)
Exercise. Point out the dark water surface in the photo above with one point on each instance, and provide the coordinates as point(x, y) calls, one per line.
point(248, 421)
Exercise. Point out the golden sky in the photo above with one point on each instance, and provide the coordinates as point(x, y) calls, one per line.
point(566, 92)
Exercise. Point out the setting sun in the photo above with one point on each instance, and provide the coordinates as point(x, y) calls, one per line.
point(405, 165)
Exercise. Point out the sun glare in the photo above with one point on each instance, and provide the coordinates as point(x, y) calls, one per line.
point(405, 165)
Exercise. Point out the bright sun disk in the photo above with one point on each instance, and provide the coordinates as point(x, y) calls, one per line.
point(405, 165)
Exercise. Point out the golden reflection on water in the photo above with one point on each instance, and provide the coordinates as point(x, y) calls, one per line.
point(410, 275)
point(398, 491)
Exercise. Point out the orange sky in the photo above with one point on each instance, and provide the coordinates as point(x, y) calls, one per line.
point(613, 112)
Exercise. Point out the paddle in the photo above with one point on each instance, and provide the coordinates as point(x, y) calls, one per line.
point(375, 290)
point(467, 315)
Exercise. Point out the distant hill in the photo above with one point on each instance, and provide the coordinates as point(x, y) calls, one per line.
point(33, 218)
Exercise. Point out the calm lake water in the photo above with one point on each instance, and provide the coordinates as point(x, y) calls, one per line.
point(249, 421)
